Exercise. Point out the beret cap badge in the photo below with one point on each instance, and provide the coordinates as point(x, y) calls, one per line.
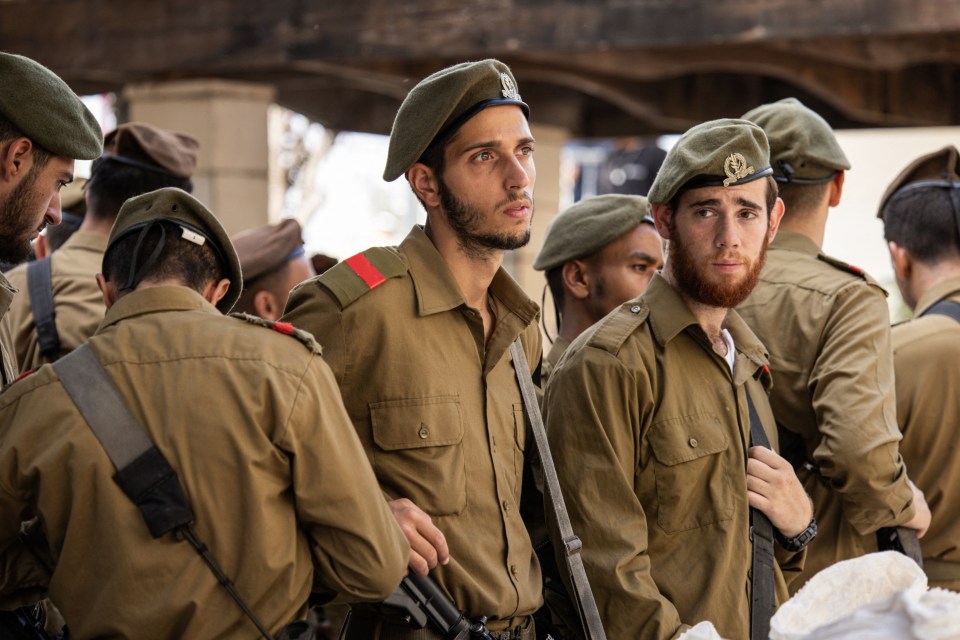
point(735, 166)
point(509, 87)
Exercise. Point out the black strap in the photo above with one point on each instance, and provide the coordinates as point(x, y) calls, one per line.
point(761, 533)
point(142, 471)
point(586, 604)
point(40, 289)
point(944, 308)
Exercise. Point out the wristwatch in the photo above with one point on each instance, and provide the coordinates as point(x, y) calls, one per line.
point(799, 541)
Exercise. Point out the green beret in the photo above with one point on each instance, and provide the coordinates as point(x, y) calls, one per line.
point(939, 168)
point(268, 248)
point(41, 105)
point(803, 149)
point(719, 152)
point(441, 103)
point(589, 225)
point(199, 226)
point(148, 147)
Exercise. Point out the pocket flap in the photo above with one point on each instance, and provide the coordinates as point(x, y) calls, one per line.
point(414, 423)
point(686, 438)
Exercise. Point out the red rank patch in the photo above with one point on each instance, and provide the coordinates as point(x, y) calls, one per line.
point(283, 327)
point(365, 270)
point(23, 375)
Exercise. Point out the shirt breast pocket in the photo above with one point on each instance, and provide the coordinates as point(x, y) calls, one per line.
point(694, 485)
point(419, 452)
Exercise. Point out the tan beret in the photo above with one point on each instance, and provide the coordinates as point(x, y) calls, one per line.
point(199, 226)
point(148, 147)
point(441, 103)
point(41, 105)
point(267, 248)
point(942, 166)
point(587, 226)
point(716, 153)
point(803, 148)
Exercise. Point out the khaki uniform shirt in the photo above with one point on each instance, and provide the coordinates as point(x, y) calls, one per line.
point(649, 431)
point(8, 363)
point(439, 412)
point(826, 326)
point(557, 350)
point(926, 353)
point(77, 300)
point(252, 422)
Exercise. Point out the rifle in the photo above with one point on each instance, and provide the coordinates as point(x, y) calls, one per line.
point(23, 623)
point(901, 539)
point(423, 601)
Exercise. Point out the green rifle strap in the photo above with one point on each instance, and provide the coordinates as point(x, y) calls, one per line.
point(40, 290)
point(586, 604)
point(761, 533)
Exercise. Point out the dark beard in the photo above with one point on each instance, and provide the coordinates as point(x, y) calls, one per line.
point(17, 220)
point(465, 220)
point(691, 282)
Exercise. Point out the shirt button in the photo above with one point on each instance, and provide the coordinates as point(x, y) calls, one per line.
point(424, 432)
point(513, 569)
point(635, 308)
point(694, 443)
point(506, 505)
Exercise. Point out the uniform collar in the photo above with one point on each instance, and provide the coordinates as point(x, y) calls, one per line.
point(560, 345)
point(87, 240)
point(437, 289)
point(669, 316)
point(7, 292)
point(792, 241)
point(936, 293)
point(155, 300)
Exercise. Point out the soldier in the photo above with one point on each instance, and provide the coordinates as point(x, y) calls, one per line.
point(827, 328)
point(921, 219)
point(137, 158)
point(598, 253)
point(649, 413)
point(44, 127)
point(419, 337)
point(249, 418)
point(273, 263)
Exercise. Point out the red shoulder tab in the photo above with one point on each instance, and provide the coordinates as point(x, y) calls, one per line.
point(283, 327)
point(365, 270)
point(24, 375)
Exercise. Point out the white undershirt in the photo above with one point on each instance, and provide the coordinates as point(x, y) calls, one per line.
point(731, 353)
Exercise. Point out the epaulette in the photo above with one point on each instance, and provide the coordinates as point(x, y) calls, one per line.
point(282, 327)
point(849, 268)
point(361, 273)
point(610, 334)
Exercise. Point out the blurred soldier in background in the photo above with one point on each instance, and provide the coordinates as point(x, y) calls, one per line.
point(273, 263)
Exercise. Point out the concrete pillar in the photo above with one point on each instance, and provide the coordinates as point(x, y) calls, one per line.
point(230, 121)
point(548, 196)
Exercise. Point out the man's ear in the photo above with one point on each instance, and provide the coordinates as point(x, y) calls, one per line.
point(902, 261)
point(575, 278)
point(661, 219)
point(424, 183)
point(215, 291)
point(40, 249)
point(107, 290)
point(16, 159)
point(836, 188)
point(776, 215)
point(266, 305)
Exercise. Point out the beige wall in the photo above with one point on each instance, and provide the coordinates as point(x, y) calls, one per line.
point(230, 121)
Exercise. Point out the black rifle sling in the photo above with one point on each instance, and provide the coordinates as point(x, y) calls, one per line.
point(761, 533)
point(945, 308)
point(142, 471)
point(586, 605)
point(40, 289)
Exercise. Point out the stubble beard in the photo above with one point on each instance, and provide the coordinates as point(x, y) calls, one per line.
point(466, 221)
point(692, 280)
point(17, 219)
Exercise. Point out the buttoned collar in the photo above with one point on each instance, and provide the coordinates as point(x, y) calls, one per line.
point(437, 289)
point(670, 315)
point(155, 300)
point(945, 289)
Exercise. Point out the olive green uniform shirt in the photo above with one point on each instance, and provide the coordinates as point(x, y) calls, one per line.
point(438, 412)
point(926, 354)
point(827, 328)
point(77, 300)
point(650, 434)
point(550, 361)
point(252, 423)
point(8, 363)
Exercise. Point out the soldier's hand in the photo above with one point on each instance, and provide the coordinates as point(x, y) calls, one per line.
point(774, 489)
point(921, 519)
point(428, 546)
